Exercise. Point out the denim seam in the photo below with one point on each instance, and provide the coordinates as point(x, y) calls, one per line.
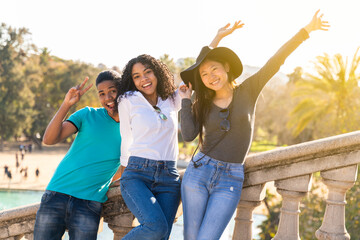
point(137, 208)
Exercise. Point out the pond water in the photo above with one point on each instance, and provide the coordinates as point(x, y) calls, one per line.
point(15, 198)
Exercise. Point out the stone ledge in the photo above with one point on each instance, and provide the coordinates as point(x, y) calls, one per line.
point(19, 212)
point(334, 145)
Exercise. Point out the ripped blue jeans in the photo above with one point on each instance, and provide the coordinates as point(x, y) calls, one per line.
point(210, 194)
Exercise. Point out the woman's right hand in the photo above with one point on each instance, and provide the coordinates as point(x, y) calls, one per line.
point(185, 91)
point(224, 31)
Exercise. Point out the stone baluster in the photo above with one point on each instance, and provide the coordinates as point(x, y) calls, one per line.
point(119, 218)
point(291, 190)
point(251, 197)
point(338, 181)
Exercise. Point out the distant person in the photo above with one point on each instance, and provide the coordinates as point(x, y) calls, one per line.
point(24, 172)
point(73, 198)
point(9, 175)
point(17, 164)
point(22, 152)
point(30, 148)
point(6, 170)
point(223, 115)
point(37, 172)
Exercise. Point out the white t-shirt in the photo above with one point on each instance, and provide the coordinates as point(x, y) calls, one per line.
point(144, 133)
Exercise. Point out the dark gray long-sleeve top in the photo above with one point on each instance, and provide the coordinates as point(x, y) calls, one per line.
point(235, 145)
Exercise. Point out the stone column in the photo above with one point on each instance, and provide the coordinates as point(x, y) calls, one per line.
point(291, 190)
point(338, 181)
point(251, 197)
point(116, 214)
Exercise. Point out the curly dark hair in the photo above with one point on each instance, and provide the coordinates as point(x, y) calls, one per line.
point(165, 79)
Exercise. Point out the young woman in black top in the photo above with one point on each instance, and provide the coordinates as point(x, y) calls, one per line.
point(223, 117)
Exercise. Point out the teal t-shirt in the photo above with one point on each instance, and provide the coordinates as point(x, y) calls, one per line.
point(94, 157)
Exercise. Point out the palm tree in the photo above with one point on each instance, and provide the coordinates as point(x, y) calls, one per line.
point(329, 100)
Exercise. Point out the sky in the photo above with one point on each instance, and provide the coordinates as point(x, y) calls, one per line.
point(114, 31)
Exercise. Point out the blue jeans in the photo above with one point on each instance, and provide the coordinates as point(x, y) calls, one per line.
point(151, 190)
point(210, 194)
point(60, 211)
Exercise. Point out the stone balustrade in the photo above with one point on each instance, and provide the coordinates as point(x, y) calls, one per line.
point(291, 168)
point(18, 223)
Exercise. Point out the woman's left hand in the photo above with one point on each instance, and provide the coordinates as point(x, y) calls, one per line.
point(317, 23)
point(185, 91)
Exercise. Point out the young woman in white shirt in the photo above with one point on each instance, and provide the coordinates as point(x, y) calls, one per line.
point(148, 110)
point(150, 184)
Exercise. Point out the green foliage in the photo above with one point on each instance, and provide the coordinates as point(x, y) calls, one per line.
point(328, 101)
point(16, 98)
point(352, 210)
point(270, 225)
point(33, 84)
point(262, 146)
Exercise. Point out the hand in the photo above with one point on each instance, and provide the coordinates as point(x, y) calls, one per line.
point(185, 91)
point(317, 23)
point(224, 31)
point(74, 94)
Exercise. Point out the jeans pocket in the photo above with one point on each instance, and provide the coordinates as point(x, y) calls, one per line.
point(47, 196)
point(95, 207)
point(237, 174)
point(173, 172)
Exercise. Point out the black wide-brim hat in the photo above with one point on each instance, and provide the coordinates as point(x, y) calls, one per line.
point(224, 53)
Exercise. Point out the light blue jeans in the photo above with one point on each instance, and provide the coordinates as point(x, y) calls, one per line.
point(151, 190)
point(210, 194)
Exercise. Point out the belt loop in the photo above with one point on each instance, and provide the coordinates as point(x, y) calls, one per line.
point(146, 163)
point(207, 160)
point(228, 165)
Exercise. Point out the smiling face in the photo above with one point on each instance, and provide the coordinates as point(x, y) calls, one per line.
point(107, 94)
point(214, 75)
point(145, 80)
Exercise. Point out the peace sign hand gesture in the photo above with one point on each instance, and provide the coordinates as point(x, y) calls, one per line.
point(74, 94)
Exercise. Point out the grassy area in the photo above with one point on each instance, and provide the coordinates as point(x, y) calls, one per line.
point(262, 146)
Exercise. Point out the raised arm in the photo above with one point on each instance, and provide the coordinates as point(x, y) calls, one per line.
point(224, 31)
point(259, 79)
point(317, 23)
point(57, 130)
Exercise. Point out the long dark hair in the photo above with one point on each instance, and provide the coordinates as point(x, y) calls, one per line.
point(165, 79)
point(204, 96)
